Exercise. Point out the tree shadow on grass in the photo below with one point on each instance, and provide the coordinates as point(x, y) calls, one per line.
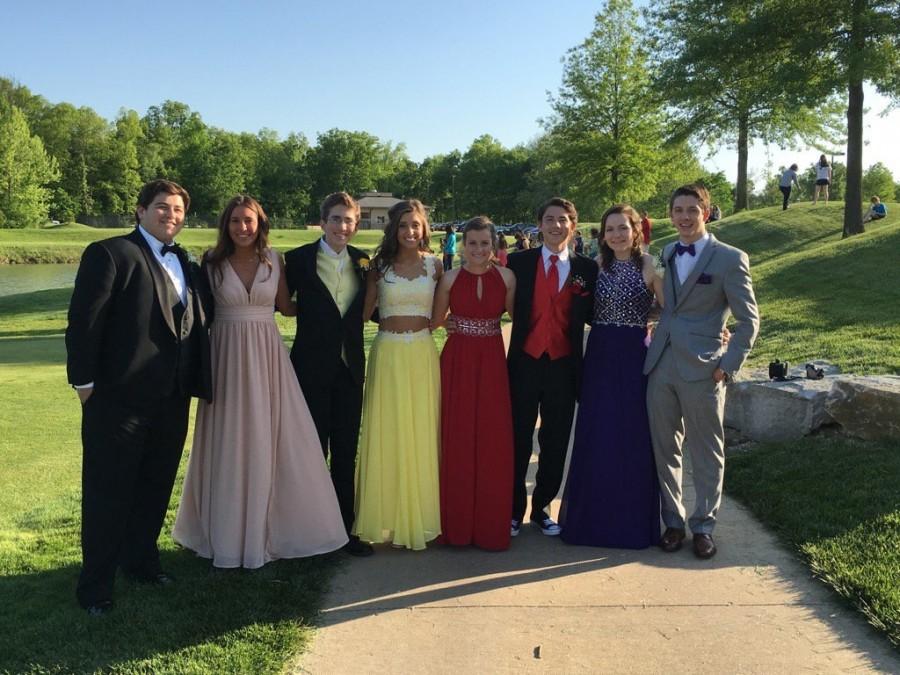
point(47, 300)
point(36, 350)
point(209, 621)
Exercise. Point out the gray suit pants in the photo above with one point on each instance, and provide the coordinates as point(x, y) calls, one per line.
point(688, 413)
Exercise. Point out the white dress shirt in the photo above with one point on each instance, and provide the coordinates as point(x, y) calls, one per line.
point(685, 262)
point(169, 263)
point(342, 257)
point(562, 265)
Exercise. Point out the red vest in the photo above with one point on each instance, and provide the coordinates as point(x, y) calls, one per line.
point(549, 324)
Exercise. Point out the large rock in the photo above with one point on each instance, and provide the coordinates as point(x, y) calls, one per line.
point(764, 410)
point(867, 406)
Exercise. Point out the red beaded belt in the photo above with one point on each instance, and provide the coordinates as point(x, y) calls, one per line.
point(476, 327)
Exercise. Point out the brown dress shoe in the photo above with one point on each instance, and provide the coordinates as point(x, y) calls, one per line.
point(704, 546)
point(671, 539)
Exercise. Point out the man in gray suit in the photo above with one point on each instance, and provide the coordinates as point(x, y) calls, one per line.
point(688, 366)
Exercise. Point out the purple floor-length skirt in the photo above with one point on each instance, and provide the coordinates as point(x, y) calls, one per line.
point(612, 494)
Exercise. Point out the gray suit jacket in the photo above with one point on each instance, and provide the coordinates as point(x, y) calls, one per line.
point(696, 311)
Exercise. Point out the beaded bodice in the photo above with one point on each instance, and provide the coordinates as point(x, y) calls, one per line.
point(622, 297)
point(399, 296)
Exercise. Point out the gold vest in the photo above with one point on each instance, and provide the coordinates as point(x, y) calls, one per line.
point(340, 281)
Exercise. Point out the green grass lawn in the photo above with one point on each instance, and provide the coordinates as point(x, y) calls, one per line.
point(210, 622)
point(837, 502)
point(820, 296)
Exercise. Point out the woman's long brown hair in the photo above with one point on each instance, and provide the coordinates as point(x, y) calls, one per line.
point(224, 247)
point(634, 220)
point(387, 250)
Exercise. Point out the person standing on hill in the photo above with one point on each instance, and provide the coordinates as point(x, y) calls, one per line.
point(329, 280)
point(823, 179)
point(788, 178)
point(137, 349)
point(705, 281)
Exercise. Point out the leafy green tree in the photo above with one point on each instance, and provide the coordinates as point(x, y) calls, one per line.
point(277, 175)
point(682, 166)
point(546, 178)
point(435, 184)
point(607, 121)
point(353, 161)
point(25, 171)
point(842, 44)
point(716, 68)
point(119, 178)
point(167, 128)
point(79, 139)
point(490, 179)
point(210, 165)
point(878, 180)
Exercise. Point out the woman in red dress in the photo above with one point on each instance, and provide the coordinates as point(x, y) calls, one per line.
point(476, 451)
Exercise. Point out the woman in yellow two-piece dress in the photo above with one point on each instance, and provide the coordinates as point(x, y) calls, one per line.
point(397, 498)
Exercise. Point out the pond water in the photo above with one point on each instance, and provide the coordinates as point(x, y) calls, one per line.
point(15, 279)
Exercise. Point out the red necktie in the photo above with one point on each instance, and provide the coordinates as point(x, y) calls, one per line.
point(553, 276)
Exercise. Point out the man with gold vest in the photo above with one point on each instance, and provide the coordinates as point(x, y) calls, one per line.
point(554, 301)
point(328, 277)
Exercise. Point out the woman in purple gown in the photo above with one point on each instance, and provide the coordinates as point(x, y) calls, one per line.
point(612, 496)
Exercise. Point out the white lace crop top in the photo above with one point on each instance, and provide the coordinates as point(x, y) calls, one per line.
point(399, 296)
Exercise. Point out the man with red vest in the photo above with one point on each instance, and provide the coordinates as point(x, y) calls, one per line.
point(554, 301)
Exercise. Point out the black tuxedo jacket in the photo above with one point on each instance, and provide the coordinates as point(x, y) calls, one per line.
point(321, 330)
point(582, 274)
point(122, 334)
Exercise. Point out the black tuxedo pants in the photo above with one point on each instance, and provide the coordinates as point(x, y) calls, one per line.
point(131, 456)
point(546, 387)
point(336, 409)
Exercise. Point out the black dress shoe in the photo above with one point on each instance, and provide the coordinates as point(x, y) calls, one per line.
point(358, 548)
point(99, 608)
point(704, 546)
point(672, 539)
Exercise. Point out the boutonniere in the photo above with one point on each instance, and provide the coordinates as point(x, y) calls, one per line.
point(577, 284)
point(660, 260)
point(363, 264)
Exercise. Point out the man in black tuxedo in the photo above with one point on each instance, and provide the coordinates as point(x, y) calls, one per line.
point(328, 277)
point(138, 349)
point(554, 300)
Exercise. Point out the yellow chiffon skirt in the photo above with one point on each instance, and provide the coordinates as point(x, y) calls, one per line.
point(397, 498)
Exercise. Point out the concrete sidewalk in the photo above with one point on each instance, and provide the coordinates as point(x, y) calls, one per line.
point(544, 606)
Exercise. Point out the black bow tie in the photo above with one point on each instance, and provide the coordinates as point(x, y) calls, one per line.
point(681, 249)
point(170, 248)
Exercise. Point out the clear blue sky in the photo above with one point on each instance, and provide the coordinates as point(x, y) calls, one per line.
point(431, 75)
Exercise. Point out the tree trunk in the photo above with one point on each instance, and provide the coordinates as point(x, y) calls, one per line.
point(740, 200)
point(853, 191)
